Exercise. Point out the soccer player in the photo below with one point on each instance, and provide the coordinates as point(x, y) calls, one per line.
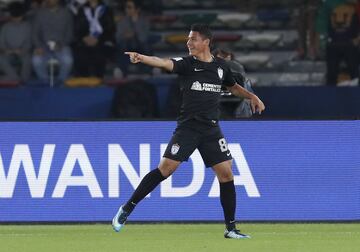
point(202, 78)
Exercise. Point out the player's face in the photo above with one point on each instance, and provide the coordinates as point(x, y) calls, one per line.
point(196, 43)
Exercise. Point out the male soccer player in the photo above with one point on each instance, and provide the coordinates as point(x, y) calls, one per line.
point(202, 77)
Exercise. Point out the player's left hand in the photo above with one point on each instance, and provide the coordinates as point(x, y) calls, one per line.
point(257, 106)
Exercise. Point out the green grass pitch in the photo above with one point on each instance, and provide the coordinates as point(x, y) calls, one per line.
point(179, 237)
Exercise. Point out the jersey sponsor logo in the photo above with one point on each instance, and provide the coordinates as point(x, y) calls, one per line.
point(177, 58)
point(208, 87)
point(175, 149)
point(197, 86)
point(220, 72)
point(198, 69)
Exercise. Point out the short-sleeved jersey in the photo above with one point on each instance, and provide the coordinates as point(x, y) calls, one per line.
point(200, 86)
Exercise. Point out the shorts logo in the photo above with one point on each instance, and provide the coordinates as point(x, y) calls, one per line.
point(220, 72)
point(175, 149)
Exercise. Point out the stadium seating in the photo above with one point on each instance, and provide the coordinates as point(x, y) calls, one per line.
point(235, 20)
point(254, 62)
point(264, 39)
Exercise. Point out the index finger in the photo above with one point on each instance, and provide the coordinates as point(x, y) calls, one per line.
point(128, 53)
point(253, 108)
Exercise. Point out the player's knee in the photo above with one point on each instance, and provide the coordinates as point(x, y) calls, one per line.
point(225, 177)
point(166, 171)
point(167, 167)
point(224, 172)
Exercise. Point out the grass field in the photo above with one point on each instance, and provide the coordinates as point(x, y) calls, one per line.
point(179, 237)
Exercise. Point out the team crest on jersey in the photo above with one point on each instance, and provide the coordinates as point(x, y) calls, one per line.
point(220, 72)
point(175, 149)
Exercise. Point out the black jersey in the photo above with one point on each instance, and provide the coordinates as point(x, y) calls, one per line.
point(200, 86)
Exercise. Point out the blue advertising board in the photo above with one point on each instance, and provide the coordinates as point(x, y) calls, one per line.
point(83, 171)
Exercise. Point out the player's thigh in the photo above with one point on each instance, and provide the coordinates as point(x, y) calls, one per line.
point(214, 149)
point(182, 144)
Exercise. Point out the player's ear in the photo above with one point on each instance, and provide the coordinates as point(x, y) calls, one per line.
point(207, 42)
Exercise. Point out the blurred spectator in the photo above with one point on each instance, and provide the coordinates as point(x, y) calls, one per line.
point(32, 6)
point(154, 7)
point(15, 45)
point(243, 107)
point(75, 5)
point(224, 54)
point(338, 23)
point(53, 32)
point(132, 33)
point(308, 43)
point(94, 39)
point(236, 67)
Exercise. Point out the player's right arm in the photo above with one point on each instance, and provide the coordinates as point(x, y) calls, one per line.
point(153, 61)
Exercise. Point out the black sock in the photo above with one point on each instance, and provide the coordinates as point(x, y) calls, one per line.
point(228, 203)
point(147, 184)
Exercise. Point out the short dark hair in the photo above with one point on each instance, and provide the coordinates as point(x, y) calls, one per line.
point(203, 30)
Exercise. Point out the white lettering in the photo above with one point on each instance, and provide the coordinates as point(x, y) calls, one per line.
point(168, 190)
point(77, 153)
point(244, 179)
point(117, 158)
point(209, 87)
point(21, 156)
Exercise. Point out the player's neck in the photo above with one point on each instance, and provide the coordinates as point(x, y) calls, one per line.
point(205, 57)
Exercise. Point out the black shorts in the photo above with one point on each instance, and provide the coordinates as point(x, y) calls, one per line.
point(209, 140)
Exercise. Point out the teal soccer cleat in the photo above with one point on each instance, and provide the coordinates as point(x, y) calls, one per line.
point(119, 219)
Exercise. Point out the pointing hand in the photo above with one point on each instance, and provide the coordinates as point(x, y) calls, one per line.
point(134, 57)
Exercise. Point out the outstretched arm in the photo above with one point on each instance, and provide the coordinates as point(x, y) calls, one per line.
point(257, 106)
point(153, 61)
